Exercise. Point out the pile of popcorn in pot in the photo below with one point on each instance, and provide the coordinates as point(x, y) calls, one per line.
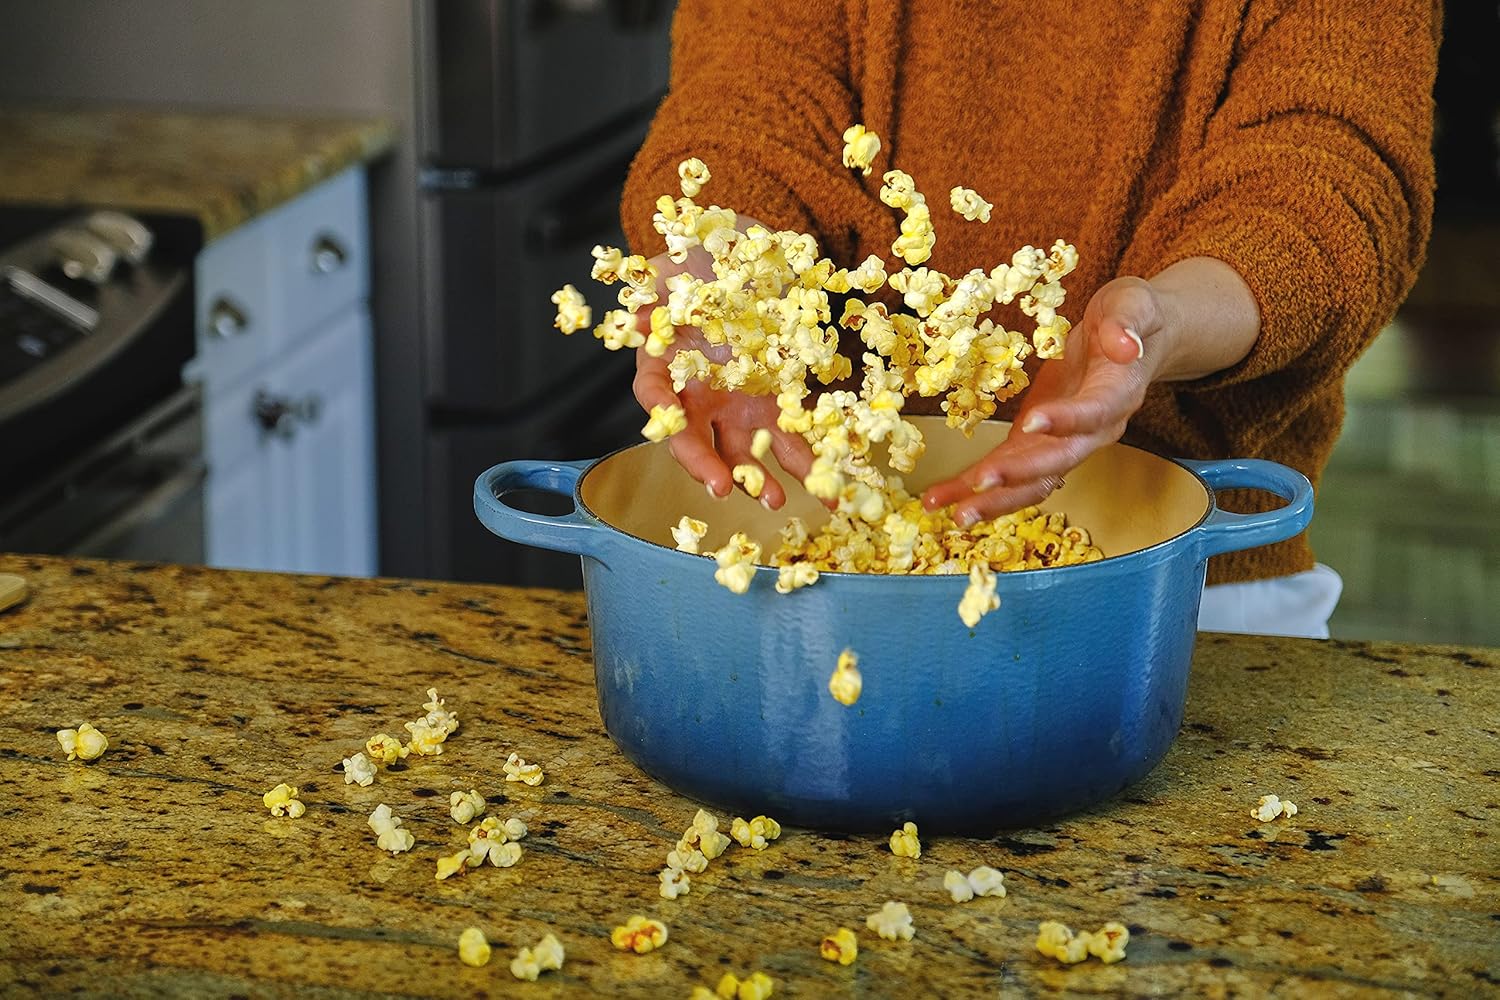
point(769, 323)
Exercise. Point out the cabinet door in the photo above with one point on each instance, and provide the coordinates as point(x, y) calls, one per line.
point(322, 463)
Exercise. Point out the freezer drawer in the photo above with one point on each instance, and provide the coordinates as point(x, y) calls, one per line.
point(510, 80)
point(495, 255)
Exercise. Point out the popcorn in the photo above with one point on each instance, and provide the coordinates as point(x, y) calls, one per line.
point(609, 262)
point(751, 477)
point(689, 860)
point(282, 801)
point(979, 597)
point(737, 563)
point(1058, 941)
point(693, 175)
point(958, 887)
point(860, 148)
point(358, 770)
point(389, 836)
point(529, 963)
point(516, 769)
point(464, 806)
point(573, 313)
point(758, 986)
point(904, 842)
point(760, 444)
point(430, 732)
point(674, 882)
point(846, 682)
point(756, 833)
point(688, 533)
point(841, 946)
point(473, 948)
point(966, 202)
point(704, 833)
point(1271, 808)
point(639, 934)
point(795, 577)
point(83, 743)
point(454, 864)
point(494, 841)
point(385, 750)
point(982, 881)
point(664, 422)
point(618, 330)
point(892, 921)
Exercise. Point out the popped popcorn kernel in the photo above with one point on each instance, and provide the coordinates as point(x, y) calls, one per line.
point(966, 202)
point(751, 477)
point(986, 881)
point(705, 834)
point(795, 577)
point(846, 682)
point(282, 801)
point(688, 533)
point(454, 864)
point(760, 444)
point(430, 732)
point(892, 921)
point(464, 806)
point(547, 955)
point(758, 987)
point(958, 886)
point(389, 836)
point(860, 148)
point(83, 743)
point(1057, 940)
point(639, 934)
point(674, 882)
point(841, 946)
point(979, 597)
point(1272, 807)
point(693, 174)
point(664, 422)
point(690, 860)
point(358, 770)
point(385, 750)
point(473, 948)
point(516, 769)
point(495, 841)
point(1108, 943)
point(573, 313)
point(904, 842)
point(736, 562)
point(755, 834)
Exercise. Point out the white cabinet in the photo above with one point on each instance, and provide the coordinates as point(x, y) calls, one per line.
point(285, 361)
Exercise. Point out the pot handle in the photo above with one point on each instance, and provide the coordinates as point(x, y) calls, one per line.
point(1223, 531)
point(565, 533)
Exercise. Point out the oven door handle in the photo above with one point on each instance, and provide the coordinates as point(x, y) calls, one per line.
point(151, 506)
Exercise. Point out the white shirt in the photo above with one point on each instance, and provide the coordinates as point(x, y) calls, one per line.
point(1297, 605)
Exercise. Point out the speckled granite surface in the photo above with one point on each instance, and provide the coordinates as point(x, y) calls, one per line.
point(157, 872)
point(223, 168)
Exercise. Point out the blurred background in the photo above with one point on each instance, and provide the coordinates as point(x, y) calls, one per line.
point(326, 309)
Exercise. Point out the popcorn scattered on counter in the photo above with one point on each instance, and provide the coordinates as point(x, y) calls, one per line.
point(529, 963)
point(573, 313)
point(674, 882)
point(966, 202)
point(282, 801)
point(841, 946)
point(495, 841)
point(846, 682)
point(892, 921)
point(389, 836)
point(455, 864)
point(958, 887)
point(982, 881)
point(639, 934)
point(737, 563)
point(904, 842)
point(704, 835)
point(1107, 944)
point(691, 860)
point(516, 769)
point(664, 422)
point(473, 948)
point(385, 750)
point(464, 806)
point(860, 148)
point(83, 743)
point(688, 533)
point(358, 770)
point(756, 833)
point(758, 986)
point(979, 598)
point(430, 732)
point(1271, 808)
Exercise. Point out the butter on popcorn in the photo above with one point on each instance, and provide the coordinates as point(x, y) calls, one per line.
point(904, 842)
point(573, 313)
point(846, 683)
point(639, 934)
point(389, 836)
point(982, 881)
point(359, 770)
point(860, 148)
point(688, 534)
point(464, 806)
point(841, 946)
point(546, 956)
point(473, 947)
point(979, 597)
point(966, 202)
point(1271, 807)
point(516, 769)
point(282, 801)
point(83, 743)
point(892, 921)
point(664, 422)
point(755, 834)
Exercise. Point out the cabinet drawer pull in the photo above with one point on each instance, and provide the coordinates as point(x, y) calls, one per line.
point(280, 415)
point(225, 319)
point(328, 255)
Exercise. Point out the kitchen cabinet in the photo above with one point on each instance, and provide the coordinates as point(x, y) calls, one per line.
point(285, 362)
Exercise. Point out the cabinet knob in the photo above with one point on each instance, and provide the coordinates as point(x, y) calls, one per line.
point(280, 415)
point(225, 319)
point(328, 255)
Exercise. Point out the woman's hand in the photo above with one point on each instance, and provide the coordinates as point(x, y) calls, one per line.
point(720, 424)
point(1192, 319)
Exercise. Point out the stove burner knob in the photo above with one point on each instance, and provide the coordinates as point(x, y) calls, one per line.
point(127, 235)
point(83, 256)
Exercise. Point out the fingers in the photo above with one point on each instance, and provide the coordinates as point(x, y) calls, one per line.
point(792, 452)
point(1003, 500)
point(734, 440)
point(1126, 314)
point(693, 448)
point(1108, 395)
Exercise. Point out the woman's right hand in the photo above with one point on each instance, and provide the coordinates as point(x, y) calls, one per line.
point(720, 424)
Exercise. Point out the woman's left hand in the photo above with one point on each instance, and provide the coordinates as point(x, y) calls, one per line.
point(1076, 405)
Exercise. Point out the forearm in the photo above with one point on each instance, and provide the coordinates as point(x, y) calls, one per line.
point(1209, 319)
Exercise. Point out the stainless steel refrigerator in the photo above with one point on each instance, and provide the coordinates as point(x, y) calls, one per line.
point(530, 112)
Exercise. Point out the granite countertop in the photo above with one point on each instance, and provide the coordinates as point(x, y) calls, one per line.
point(224, 168)
point(157, 871)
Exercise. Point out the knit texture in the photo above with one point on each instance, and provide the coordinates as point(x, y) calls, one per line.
point(1291, 140)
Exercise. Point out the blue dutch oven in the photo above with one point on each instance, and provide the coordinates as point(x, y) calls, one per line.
point(1070, 691)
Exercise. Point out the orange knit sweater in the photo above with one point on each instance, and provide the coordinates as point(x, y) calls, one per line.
point(1288, 138)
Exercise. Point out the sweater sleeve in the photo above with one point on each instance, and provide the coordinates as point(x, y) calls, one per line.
point(760, 91)
point(1314, 181)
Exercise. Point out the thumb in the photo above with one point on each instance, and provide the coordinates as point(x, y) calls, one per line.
point(1127, 315)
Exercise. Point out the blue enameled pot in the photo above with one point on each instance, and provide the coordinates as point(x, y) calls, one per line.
point(1070, 691)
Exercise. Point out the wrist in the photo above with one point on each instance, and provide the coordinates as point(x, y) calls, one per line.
point(1209, 319)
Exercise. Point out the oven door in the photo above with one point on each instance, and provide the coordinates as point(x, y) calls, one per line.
point(137, 494)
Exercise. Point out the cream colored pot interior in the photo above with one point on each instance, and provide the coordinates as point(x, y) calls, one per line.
point(1128, 499)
